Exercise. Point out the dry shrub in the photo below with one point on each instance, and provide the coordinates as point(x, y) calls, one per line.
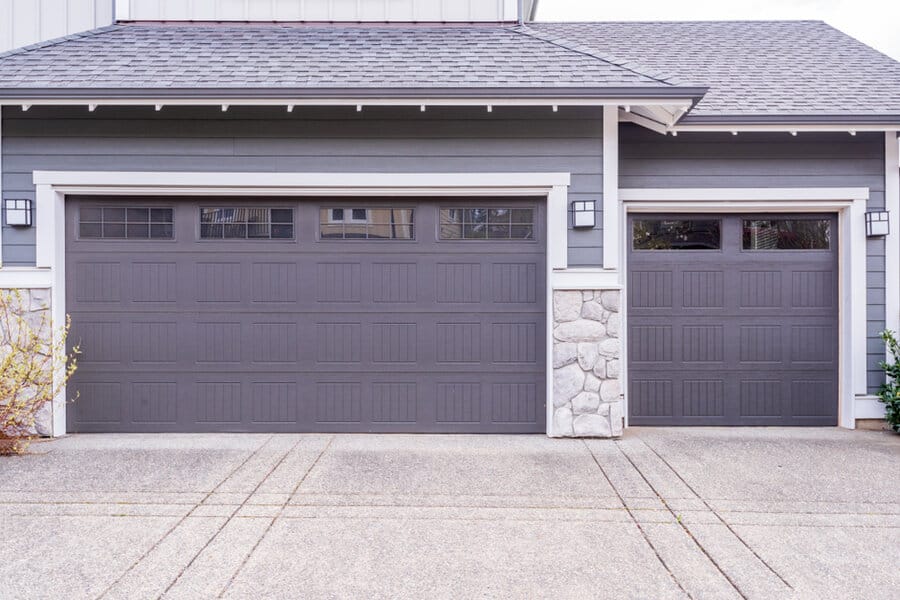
point(34, 368)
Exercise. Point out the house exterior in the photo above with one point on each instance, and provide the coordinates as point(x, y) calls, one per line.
point(409, 217)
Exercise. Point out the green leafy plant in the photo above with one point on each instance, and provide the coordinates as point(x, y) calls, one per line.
point(889, 393)
point(34, 368)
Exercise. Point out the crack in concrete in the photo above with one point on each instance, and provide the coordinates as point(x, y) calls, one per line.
point(637, 523)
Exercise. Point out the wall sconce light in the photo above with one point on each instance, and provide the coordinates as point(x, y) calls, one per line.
point(18, 213)
point(583, 214)
point(878, 223)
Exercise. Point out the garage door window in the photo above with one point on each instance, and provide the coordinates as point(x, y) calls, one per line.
point(787, 234)
point(125, 223)
point(487, 223)
point(246, 223)
point(349, 223)
point(677, 234)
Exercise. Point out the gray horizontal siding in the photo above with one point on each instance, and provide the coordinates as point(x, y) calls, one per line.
point(706, 160)
point(307, 140)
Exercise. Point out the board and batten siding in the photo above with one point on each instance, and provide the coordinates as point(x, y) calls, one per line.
point(378, 140)
point(319, 10)
point(777, 160)
point(25, 22)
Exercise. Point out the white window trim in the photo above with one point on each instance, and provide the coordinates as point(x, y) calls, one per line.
point(848, 203)
point(53, 187)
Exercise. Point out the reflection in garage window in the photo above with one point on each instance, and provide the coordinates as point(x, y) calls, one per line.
point(787, 234)
point(487, 224)
point(676, 234)
point(125, 223)
point(241, 223)
point(367, 224)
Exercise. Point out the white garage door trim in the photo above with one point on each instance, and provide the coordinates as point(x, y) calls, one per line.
point(848, 203)
point(52, 187)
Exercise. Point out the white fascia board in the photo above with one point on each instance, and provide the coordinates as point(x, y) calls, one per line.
point(350, 101)
point(786, 128)
point(632, 117)
point(338, 181)
point(720, 195)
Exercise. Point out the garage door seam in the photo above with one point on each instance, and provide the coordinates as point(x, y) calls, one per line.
point(636, 522)
point(278, 514)
point(184, 518)
point(713, 511)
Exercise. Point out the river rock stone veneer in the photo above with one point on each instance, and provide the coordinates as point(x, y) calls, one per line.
point(35, 304)
point(587, 390)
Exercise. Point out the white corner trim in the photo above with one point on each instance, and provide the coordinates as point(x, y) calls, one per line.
point(849, 203)
point(610, 187)
point(123, 10)
point(52, 187)
point(892, 242)
point(723, 195)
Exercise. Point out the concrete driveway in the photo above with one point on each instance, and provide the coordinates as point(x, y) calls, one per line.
point(663, 513)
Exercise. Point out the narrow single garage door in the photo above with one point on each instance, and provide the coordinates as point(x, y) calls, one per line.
point(343, 314)
point(733, 320)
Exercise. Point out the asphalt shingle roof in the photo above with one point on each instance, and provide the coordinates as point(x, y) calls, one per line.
point(753, 68)
point(247, 56)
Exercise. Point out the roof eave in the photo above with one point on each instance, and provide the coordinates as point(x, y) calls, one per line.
point(785, 120)
point(16, 95)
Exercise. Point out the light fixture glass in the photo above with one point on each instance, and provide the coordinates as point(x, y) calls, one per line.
point(878, 223)
point(18, 212)
point(583, 214)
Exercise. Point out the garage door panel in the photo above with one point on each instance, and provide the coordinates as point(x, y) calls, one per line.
point(733, 336)
point(308, 335)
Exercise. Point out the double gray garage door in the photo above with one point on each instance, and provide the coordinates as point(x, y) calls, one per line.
point(280, 315)
point(733, 320)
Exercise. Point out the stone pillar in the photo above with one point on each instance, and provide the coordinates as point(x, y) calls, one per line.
point(587, 389)
point(35, 307)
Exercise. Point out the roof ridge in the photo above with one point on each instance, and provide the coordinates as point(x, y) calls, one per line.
point(60, 40)
point(568, 44)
